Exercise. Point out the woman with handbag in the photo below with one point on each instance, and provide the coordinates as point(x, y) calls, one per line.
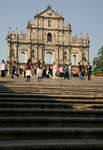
point(28, 70)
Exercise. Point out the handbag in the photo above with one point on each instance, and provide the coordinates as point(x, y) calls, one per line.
point(28, 72)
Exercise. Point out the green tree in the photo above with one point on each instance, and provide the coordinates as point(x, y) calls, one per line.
point(98, 61)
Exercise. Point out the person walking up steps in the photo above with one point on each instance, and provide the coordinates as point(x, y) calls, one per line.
point(14, 69)
point(80, 70)
point(66, 74)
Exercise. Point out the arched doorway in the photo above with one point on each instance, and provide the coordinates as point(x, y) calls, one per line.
point(48, 58)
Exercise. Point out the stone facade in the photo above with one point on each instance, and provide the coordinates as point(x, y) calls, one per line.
point(47, 36)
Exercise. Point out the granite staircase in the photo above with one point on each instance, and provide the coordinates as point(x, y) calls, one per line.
point(38, 116)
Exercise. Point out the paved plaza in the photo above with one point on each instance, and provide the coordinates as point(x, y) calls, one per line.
point(60, 87)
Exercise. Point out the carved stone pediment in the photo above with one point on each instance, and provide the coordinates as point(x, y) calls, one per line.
point(49, 13)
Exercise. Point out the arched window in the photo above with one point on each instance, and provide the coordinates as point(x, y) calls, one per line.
point(49, 37)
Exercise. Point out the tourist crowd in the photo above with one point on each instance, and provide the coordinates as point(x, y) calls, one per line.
point(43, 71)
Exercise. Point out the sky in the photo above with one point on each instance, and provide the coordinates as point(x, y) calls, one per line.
point(83, 15)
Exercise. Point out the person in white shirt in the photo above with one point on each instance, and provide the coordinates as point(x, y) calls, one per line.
point(39, 74)
point(2, 69)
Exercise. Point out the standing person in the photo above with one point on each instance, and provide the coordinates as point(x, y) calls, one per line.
point(6, 69)
point(89, 70)
point(50, 72)
point(47, 72)
point(54, 70)
point(2, 69)
point(66, 75)
point(80, 71)
point(35, 70)
point(24, 69)
point(61, 70)
point(39, 74)
point(44, 71)
point(14, 69)
point(70, 70)
point(57, 72)
point(28, 70)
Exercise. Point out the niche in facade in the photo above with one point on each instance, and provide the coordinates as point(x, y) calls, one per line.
point(48, 58)
point(49, 37)
point(74, 59)
point(22, 57)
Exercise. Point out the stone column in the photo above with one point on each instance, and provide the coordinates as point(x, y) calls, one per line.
point(63, 45)
point(36, 53)
point(37, 42)
point(56, 54)
point(80, 55)
point(69, 47)
point(40, 53)
point(17, 49)
point(8, 38)
point(8, 51)
point(8, 58)
point(68, 54)
point(10, 55)
point(81, 49)
point(42, 43)
point(87, 38)
point(30, 45)
point(61, 55)
point(58, 41)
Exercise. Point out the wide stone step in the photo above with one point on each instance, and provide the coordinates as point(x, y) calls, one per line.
point(51, 92)
point(48, 104)
point(46, 88)
point(29, 99)
point(53, 114)
point(14, 97)
point(50, 133)
point(75, 144)
point(21, 112)
point(35, 105)
point(50, 122)
point(43, 98)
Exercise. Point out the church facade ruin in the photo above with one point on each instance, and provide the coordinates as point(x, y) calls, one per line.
point(47, 40)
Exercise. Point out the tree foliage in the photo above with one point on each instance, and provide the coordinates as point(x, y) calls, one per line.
point(98, 61)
